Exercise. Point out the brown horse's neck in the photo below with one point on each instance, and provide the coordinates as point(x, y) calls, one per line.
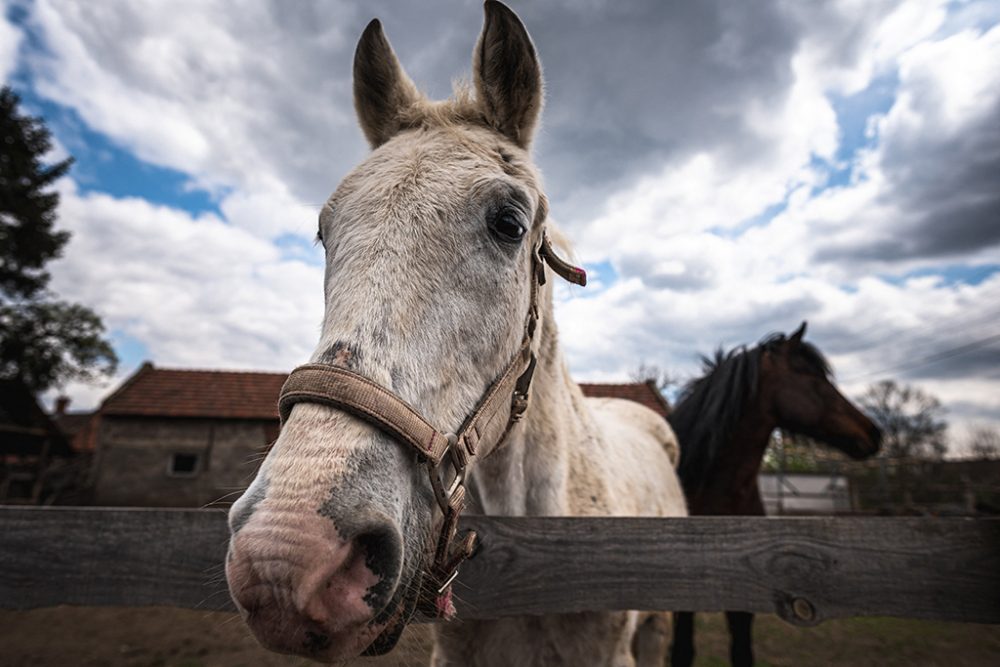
point(527, 476)
point(731, 484)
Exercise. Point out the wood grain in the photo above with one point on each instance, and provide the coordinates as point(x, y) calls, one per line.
point(805, 569)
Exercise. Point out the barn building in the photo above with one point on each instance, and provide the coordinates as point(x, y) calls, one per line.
point(32, 447)
point(191, 438)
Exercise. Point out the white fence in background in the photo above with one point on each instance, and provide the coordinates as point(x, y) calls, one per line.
point(804, 493)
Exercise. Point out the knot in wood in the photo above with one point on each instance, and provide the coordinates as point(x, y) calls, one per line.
point(795, 609)
point(803, 610)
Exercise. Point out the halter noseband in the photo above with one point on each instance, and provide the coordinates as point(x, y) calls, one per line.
point(501, 406)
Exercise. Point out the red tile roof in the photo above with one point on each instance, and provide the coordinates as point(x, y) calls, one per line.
point(640, 392)
point(162, 392)
point(168, 392)
point(80, 428)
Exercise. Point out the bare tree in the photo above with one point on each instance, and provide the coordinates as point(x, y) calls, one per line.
point(912, 421)
point(984, 442)
point(661, 377)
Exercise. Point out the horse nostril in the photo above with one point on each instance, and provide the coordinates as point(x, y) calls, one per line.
point(383, 550)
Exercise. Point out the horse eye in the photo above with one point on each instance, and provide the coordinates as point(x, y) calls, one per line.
point(507, 226)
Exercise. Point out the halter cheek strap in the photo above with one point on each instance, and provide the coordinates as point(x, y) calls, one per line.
point(484, 430)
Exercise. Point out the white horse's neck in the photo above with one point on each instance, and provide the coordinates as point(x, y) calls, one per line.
point(528, 475)
point(564, 461)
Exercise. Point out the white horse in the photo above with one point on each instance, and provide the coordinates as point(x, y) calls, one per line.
point(432, 247)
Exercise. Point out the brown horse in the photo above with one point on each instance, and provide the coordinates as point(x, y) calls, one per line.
point(724, 420)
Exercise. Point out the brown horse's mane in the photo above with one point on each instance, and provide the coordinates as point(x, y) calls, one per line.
point(709, 406)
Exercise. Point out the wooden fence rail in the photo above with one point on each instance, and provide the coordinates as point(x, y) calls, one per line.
point(805, 569)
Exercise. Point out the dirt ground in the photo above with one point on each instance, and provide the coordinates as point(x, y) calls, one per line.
point(160, 637)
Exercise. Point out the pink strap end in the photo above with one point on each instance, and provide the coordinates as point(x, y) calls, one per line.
point(445, 606)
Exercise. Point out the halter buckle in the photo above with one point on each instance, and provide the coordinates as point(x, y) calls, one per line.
point(459, 461)
point(518, 406)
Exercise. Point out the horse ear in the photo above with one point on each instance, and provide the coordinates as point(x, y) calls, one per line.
point(381, 87)
point(799, 333)
point(508, 75)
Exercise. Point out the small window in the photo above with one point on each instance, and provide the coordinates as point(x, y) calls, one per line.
point(183, 464)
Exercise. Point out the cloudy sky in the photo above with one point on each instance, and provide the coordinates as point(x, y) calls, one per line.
point(725, 169)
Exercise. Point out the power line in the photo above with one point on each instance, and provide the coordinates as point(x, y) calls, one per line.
point(928, 342)
point(924, 342)
point(932, 359)
point(986, 313)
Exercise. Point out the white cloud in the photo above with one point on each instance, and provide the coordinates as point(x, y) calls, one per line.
point(664, 154)
point(689, 289)
point(242, 101)
point(847, 43)
point(197, 292)
point(880, 330)
point(10, 44)
point(927, 191)
point(945, 85)
point(270, 211)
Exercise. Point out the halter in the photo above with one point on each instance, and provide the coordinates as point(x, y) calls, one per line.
point(501, 406)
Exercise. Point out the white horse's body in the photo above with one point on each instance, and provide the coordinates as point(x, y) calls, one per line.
point(577, 457)
point(429, 245)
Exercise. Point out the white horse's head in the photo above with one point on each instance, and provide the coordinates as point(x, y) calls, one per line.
point(429, 247)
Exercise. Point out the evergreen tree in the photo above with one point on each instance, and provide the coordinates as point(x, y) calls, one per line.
point(43, 341)
point(27, 213)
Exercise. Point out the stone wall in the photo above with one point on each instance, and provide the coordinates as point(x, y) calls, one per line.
point(171, 462)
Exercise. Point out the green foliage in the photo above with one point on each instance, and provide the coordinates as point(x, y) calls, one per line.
point(46, 341)
point(43, 341)
point(787, 452)
point(27, 212)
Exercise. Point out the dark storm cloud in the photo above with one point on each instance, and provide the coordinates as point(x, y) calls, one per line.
point(629, 85)
point(945, 189)
point(951, 187)
point(256, 104)
point(634, 85)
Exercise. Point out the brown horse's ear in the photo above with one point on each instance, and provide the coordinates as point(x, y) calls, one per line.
point(508, 75)
point(381, 87)
point(799, 333)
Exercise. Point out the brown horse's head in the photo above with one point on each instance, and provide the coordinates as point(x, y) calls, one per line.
point(724, 419)
point(803, 399)
point(429, 247)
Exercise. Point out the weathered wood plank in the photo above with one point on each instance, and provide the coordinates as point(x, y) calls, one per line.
point(112, 557)
point(806, 569)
